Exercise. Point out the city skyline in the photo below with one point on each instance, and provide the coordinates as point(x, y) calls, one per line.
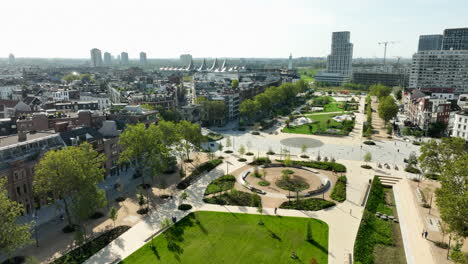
point(304, 28)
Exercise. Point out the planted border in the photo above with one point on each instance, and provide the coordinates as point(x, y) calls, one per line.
point(339, 190)
point(202, 168)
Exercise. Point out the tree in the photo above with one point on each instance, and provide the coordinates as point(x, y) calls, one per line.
point(388, 109)
point(228, 142)
point(12, 234)
point(220, 147)
point(398, 93)
point(241, 150)
point(249, 108)
point(412, 160)
point(191, 136)
point(437, 129)
point(113, 214)
point(72, 174)
point(304, 148)
point(234, 83)
point(380, 90)
point(367, 157)
point(436, 155)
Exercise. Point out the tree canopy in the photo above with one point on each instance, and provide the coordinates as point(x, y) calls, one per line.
point(380, 90)
point(388, 109)
point(72, 174)
point(12, 235)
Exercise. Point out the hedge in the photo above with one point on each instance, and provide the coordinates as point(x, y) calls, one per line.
point(223, 183)
point(204, 167)
point(81, 254)
point(339, 191)
point(321, 165)
point(412, 169)
point(235, 197)
point(310, 204)
point(372, 230)
point(260, 161)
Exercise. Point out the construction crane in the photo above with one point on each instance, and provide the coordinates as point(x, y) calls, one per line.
point(398, 57)
point(385, 43)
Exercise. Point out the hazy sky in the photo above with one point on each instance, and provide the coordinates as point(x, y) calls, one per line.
point(217, 28)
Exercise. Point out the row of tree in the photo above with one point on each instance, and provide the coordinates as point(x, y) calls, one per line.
point(263, 104)
point(448, 158)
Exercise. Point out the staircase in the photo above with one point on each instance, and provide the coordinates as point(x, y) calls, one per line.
point(389, 180)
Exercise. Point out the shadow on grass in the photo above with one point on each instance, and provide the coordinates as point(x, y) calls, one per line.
point(317, 245)
point(155, 251)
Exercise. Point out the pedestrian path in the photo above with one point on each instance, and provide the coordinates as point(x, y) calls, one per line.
point(343, 221)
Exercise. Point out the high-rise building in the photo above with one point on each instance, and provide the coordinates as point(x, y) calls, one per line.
point(185, 59)
point(11, 59)
point(143, 58)
point(96, 57)
point(107, 58)
point(339, 62)
point(440, 69)
point(124, 58)
point(290, 65)
point(455, 38)
point(430, 42)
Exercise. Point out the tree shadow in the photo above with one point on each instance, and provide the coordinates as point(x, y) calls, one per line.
point(201, 226)
point(317, 245)
point(155, 251)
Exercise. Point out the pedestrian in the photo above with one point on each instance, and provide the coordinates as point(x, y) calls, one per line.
point(276, 209)
point(422, 234)
point(425, 234)
point(350, 211)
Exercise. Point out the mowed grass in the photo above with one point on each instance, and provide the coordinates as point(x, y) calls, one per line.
point(237, 238)
point(308, 74)
point(304, 129)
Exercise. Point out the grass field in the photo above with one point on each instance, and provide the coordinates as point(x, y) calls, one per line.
point(237, 238)
point(304, 129)
point(307, 74)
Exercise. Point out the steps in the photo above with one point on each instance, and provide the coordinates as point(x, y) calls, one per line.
point(389, 180)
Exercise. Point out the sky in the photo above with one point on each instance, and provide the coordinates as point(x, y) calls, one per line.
point(219, 28)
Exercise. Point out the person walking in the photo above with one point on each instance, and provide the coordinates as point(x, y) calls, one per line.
point(425, 234)
point(276, 209)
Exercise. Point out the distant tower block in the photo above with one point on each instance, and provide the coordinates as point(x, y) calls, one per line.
point(11, 59)
point(143, 59)
point(290, 65)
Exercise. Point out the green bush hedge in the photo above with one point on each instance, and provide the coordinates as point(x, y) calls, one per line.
point(81, 254)
point(339, 191)
point(372, 230)
point(310, 204)
point(204, 167)
point(260, 161)
point(235, 197)
point(223, 183)
point(321, 165)
point(412, 169)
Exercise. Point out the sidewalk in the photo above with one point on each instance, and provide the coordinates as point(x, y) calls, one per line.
point(417, 249)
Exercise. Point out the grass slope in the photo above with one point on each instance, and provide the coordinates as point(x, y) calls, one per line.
point(237, 238)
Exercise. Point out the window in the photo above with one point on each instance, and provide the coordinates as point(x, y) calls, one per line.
point(18, 190)
point(25, 188)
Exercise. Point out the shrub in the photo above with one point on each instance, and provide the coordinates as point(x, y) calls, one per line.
point(235, 197)
point(270, 152)
point(416, 143)
point(241, 128)
point(369, 142)
point(81, 254)
point(339, 191)
point(304, 156)
point(204, 167)
point(264, 183)
point(228, 151)
point(144, 186)
point(321, 165)
point(143, 211)
point(223, 183)
point(256, 133)
point(184, 207)
point(365, 166)
point(292, 184)
point(432, 176)
point(310, 204)
point(69, 229)
point(287, 171)
point(249, 154)
point(96, 215)
point(412, 169)
point(213, 136)
point(441, 244)
point(261, 161)
point(242, 160)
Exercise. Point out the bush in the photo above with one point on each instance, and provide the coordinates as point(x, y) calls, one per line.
point(339, 191)
point(96, 215)
point(228, 151)
point(372, 230)
point(321, 165)
point(249, 154)
point(120, 199)
point(287, 171)
point(241, 128)
point(256, 133)
point(270, 152)
point(242, 160)
point(223, 183)
point(310, 204)
point(213, 136)
point(412, 169)
point(441, 244)
point(292, 184)
point(261, 161)
point(416, 143)
point(432, 176)
point(184, 207)
point(81, 254)
point(264, 183)
point(235, 197)
point(144, 186)
point(365, 166)
point(304, 156)
point(369, 142)
point(204, 167)
point(15, 260)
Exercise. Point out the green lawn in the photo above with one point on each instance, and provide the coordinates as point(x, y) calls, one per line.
point(304, 129)
point(307, 74)
point(237, 238)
